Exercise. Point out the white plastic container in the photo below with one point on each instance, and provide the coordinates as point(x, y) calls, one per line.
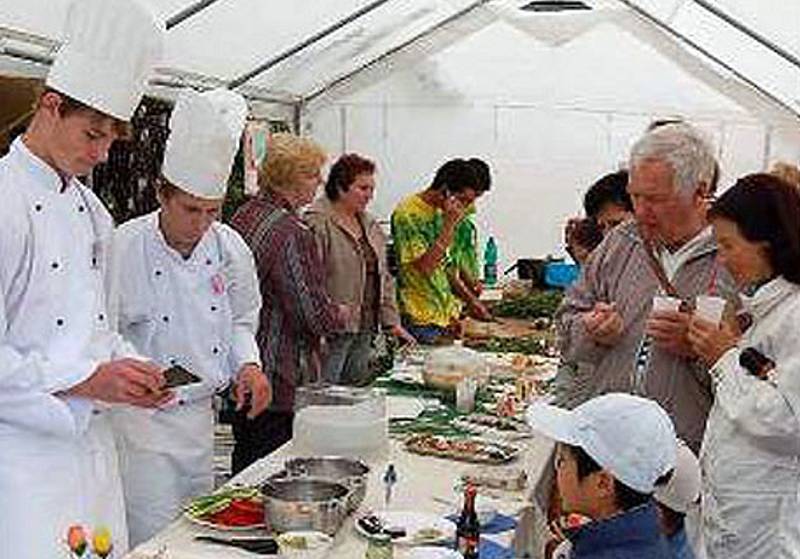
point(663, 303)
point(340, 421)
point(446, 366)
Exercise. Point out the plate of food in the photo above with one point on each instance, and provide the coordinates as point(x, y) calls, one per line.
point(462, 449)
point(407, 527)
point(231, 510)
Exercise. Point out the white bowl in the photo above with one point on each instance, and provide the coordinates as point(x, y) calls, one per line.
point(317, 544)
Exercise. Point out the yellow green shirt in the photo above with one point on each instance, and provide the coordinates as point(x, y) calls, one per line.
point(424, 299)
point(464, 252)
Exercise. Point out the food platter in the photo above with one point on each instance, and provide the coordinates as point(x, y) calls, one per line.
point(461, 449)
point(236, 509)
point(409, 528)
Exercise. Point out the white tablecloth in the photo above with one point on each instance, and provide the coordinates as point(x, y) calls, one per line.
point(423, 482)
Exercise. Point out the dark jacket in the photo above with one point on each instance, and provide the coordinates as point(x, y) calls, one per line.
point(633, 534)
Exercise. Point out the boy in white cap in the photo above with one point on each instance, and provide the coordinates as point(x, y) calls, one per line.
point(188, 295)
point(678, 502)
point(611, 452)
point(61, 362)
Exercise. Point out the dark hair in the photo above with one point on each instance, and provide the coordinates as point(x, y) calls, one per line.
point(624, 497)
point(70, 105)
point(610, 189)
point(456, 176)
point(484, 173)
point(766, 209)
point(585, 233)
point(344, 172)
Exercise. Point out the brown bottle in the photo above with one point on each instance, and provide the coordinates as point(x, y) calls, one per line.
point(468, 531)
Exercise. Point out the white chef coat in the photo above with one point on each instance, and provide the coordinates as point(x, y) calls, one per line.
point(200, 312)
point(751, 451)
point(58, 464)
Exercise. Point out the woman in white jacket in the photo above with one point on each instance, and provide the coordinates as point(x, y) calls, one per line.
point(751, 451)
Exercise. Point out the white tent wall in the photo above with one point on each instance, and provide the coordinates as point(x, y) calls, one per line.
point(549, 119)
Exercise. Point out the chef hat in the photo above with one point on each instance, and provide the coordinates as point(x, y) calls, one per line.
point(205, 129)
point(109, 50)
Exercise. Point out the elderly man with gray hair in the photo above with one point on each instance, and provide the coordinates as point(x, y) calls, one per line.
point(617, 318)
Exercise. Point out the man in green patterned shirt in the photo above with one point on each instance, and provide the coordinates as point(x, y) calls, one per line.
point(423, 230)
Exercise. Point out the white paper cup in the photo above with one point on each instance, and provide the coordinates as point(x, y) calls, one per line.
point(666, 303)
point(710, 308)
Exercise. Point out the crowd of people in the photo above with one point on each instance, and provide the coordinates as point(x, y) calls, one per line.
point(677, 432)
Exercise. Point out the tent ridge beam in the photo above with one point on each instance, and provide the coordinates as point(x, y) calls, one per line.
point(641, 12)
point(394, 50)
point(188, 12)
point(739, 26)
point(304, 44)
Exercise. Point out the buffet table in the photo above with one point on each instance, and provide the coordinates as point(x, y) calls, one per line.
point(424, 484)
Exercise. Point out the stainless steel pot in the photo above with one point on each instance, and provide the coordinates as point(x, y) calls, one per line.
point(347, 471)
point(304, 504)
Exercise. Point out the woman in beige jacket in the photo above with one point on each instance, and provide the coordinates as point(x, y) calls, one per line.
point(353, 250)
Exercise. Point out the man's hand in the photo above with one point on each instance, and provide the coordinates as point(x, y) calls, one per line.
point(125, 381)
point(252, 387)
point(478, 310)
point(709, 341)
point(604, 324)
point(669, 331)
point(454, 211)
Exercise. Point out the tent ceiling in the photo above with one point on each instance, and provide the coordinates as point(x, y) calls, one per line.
point(229, 38)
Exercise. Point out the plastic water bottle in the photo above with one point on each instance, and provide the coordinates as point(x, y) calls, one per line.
point(490, 263)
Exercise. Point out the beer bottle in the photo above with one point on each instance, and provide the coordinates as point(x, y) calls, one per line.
point(468, 529)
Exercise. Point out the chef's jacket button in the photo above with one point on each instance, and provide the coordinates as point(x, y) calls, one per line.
point(208, 262)
point(165, 318)
point(54, 265)
point(158, 272)
point(94, 262)
point(96, 412)
point(215, 350)
point(81, 209)
point(173, 362)
point(59, 322)
point(38, 207)
point(181, 402)
point(101, 317)
point(213, 308)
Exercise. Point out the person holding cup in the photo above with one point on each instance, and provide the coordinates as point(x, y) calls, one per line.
point(751, 450)
point(609, 320)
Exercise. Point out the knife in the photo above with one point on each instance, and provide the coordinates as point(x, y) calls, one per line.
point(260, 546)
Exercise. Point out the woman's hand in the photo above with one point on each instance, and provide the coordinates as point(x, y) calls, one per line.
point(403, 335)
point(709, 341)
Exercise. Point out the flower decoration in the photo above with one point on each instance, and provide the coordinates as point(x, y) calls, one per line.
point(78, 539)
point(101, 542)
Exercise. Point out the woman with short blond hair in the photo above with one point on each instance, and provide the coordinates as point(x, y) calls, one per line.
point(296, 311)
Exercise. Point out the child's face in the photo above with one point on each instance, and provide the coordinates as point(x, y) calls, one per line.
point(583, 496)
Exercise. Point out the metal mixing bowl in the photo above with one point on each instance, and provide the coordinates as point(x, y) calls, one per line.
point(304, 504)
point(347, 471)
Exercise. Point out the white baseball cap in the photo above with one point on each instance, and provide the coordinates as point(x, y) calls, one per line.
point(683, 489)
point(205, 129)
point(109, 50)
point(631, 437)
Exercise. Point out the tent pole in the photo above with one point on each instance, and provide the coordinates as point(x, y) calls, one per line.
point(188, 12)
point(297, 118)
point(730, 20)
point(683, 38)
point(394, 50)
point(304, 44)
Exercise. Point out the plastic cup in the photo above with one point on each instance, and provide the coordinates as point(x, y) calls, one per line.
point(663, 303)
point(710, 308)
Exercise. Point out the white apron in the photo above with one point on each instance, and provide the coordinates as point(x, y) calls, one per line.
point(201, 313)
point(58, 464)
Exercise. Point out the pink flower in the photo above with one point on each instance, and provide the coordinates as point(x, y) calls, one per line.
point(76, 540)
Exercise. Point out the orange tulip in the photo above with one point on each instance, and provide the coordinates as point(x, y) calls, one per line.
point(76, 540)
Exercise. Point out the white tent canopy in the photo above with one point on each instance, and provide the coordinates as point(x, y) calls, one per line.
point(551, 100)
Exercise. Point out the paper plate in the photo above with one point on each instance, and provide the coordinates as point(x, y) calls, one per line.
point(421, 528)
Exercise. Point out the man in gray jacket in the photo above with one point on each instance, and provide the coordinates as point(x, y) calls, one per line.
point(607, 319)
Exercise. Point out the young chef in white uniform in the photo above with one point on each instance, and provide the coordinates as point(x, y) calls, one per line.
point(187, 295)
point(60, 363)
